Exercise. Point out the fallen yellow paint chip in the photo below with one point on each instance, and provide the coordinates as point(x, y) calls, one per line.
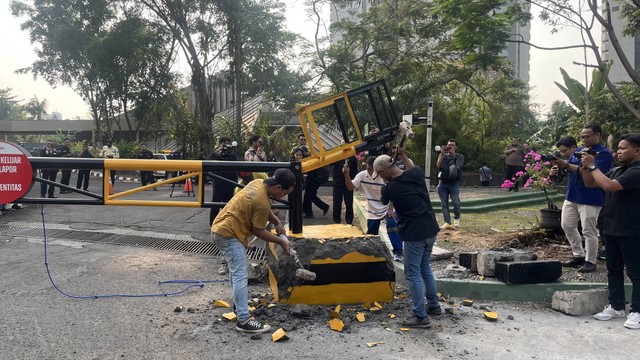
point(490, 315)
point(392, 316)
point(403, 295)
point(377, 304)
point(279, 335)
point(405, 329)
point(221, 303)
point(360, 317)
point(336, 324)
point(467, 302)
point(375, 309)
point(252, 308)
point(335, 314)
point(272, 305)
point(231, 316)
point(372, 344)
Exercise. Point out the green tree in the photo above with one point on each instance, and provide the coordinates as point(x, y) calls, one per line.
point(578, 93)
point(583, 16)
point(10, 108)
point(64, 29)
point(36, 108)
point(555, 125)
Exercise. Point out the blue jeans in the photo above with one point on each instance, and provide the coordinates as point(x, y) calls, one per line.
point(623, 252)
point(417, 271)
point(236, 256)
point(373, 228)
point(446, 190)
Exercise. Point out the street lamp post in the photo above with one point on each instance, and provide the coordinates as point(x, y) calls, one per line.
point(427, 149)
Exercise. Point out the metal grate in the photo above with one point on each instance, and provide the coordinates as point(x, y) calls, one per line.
point(158, 243)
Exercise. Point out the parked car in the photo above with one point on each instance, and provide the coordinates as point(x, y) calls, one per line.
point(161, 174)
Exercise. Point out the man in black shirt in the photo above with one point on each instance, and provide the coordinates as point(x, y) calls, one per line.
point(223, 190)
point(418, 228)
point(65, 151)
point(620, 226)
point(146, 177)
point(48, 174)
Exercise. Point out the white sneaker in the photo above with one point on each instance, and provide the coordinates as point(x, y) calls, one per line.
point(633, 321)
point(446, 226)
point(224, 269)
point(456, 223)
point(609, 313)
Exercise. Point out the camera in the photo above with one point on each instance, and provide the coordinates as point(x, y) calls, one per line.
point(226, 151)
point(550, 157)
point(578, 154)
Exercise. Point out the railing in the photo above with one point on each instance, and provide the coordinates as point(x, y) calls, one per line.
point(200, 169)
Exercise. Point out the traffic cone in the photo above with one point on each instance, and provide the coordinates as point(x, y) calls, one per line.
point(188, 186)
point(111, 191)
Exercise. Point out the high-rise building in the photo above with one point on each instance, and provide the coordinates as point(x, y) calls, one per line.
point(630, 46)
point(517, 53)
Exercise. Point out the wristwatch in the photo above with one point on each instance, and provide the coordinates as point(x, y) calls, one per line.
point(592, 167)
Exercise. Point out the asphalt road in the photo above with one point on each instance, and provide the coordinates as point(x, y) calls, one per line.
point(39, 322)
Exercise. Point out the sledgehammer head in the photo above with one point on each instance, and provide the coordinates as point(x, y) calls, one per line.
point(305, 274)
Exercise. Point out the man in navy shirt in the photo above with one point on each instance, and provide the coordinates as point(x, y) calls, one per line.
point(582, 204)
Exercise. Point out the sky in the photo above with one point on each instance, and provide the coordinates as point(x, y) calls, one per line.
point(18, 53)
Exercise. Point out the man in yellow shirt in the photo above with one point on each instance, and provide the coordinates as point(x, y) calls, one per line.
point(247, 214)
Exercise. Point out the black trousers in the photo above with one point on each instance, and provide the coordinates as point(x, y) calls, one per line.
point(83, 179)
point(623, 252)
point(49, 174)
point(340, 193)
point(510, 173)
point(220, 194)
point(311, 197)
point(146, 177)
point(66, 176)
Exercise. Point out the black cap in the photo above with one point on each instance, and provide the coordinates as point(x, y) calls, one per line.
point(283, 177)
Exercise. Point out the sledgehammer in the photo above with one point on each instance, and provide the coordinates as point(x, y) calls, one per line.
point(301, 272)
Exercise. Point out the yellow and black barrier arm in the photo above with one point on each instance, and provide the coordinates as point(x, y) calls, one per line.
point(200, 169)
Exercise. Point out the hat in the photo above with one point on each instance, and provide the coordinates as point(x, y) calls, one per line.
point(382, 162)
point(283, 177)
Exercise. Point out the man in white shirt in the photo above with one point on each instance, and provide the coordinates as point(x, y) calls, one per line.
point(371, 184)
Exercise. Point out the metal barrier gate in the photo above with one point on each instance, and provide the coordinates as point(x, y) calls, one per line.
point(200, 169)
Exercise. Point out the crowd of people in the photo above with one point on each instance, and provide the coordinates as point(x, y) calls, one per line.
point(599, 204)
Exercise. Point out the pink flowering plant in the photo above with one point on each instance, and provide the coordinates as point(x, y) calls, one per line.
point(536, 175)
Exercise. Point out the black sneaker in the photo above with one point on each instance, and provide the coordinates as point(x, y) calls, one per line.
point(416, 322)
point(602, 255)
point(587, 267)
point(576, 262)
point(252, 326)
point(434, 311)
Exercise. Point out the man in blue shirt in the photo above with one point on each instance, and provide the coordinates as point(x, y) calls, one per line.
point(582, 204)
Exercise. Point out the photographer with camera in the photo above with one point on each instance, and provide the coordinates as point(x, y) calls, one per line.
point(620, 226)
point(582, 204)
point(450, 173)
point(223, 190)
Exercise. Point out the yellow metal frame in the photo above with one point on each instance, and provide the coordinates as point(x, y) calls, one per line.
point(322, 157)
point(192, 166)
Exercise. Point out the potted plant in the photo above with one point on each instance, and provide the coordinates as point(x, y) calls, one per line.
point(536, 176)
